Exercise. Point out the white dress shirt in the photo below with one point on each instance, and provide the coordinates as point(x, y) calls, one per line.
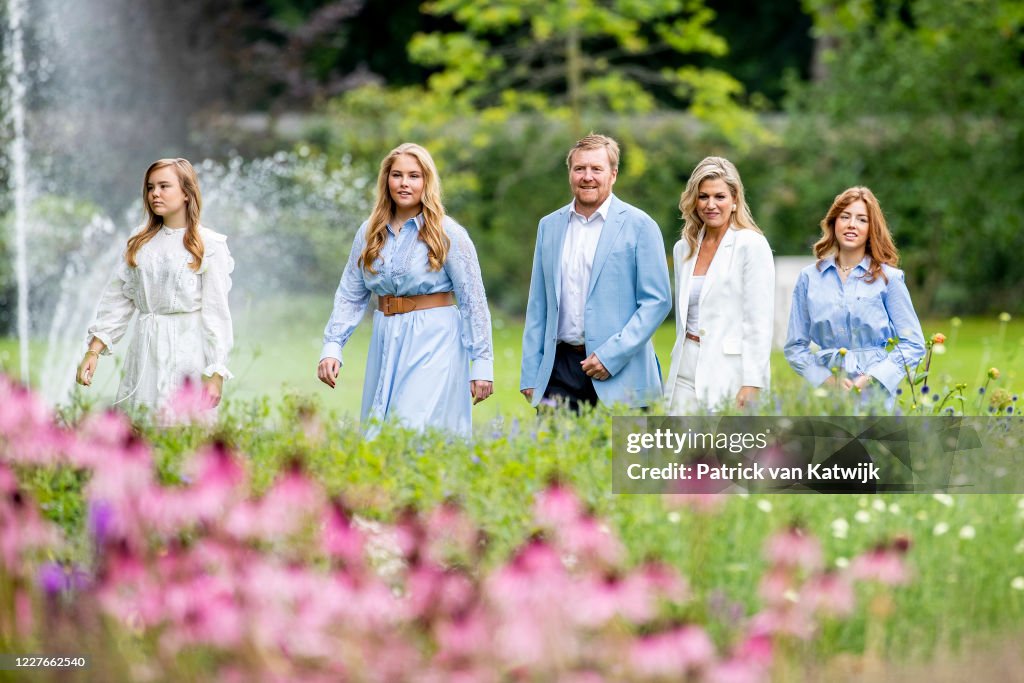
point(577, 262)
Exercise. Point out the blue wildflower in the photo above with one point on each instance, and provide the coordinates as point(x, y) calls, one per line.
point(925, 389)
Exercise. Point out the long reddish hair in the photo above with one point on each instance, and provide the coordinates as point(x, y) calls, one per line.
point(193, 207)
point(879, 247)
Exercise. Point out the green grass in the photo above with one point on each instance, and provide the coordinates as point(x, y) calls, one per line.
point(963, 575)
point(277, 346)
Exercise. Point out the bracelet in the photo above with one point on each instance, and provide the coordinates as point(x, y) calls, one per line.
point(92, 352)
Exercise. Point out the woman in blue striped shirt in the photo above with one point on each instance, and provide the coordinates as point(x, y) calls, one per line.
point(848, 305)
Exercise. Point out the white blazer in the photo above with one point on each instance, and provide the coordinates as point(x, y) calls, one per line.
point(737, 305)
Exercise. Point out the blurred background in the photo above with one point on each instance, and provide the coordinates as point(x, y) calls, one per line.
point(287, 106)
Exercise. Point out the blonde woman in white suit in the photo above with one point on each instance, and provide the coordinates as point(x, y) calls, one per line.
point(724, 296)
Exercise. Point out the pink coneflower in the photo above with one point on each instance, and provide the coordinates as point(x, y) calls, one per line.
point(794, 548)
point(736, 670)
point(339, 537)
point(885, 564)
point(672, 654)
point(557, 507)
point(830, 593)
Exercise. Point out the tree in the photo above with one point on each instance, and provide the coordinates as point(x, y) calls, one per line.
point(921, 100)
point(571, 56)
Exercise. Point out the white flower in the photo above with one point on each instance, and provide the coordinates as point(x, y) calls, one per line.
point(840, 527)
point(1018, 583)
point(879, 505)
point(894, 508)
point(940, 528)
point(862, 516)
point(764, 505)
point(842, 562)
point(674, 517)
point(944, 498)
point(1019, 548)
point(821, 392)
point(967, 532)
point(921, 516)
point(1020, 504)
point(938, 349)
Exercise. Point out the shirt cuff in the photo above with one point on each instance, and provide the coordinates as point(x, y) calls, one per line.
point(331, 350)
point(816, 374)
point(482, 369)
point(888, 373)
point(219, 369)
point(105, 338)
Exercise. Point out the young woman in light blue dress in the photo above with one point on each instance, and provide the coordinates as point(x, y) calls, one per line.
point(429, 360)
point(852, 302)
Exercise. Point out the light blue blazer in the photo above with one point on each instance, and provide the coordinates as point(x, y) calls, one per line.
point(629, 297)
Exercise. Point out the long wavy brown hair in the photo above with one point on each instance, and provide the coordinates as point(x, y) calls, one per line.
point(712, 168)
point(193, 207)
point(879, 247)
point(431, 233)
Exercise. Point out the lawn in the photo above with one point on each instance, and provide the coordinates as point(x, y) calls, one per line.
point(277, 345)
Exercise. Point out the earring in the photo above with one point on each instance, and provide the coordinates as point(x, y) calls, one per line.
point(735, 206)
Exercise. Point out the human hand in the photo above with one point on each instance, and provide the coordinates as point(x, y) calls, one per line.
point(213, 388)
point(328, 371)
point(746, 396)
point(480, 389)
point(87, 368)
point(847, 383)
point(594, 368)
point(831, 381)
point(528, 393)
point(863, 381)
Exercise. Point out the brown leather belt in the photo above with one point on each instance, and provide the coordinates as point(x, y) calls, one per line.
point(578, 348)
point(693, 337)
point(393, 305)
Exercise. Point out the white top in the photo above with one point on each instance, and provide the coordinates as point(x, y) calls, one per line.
point(578, 252)
point(693, 309)
point(184, 328)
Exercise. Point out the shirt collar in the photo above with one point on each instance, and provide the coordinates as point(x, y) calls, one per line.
point(830, 262)
point(417, 222)
point(601, 210)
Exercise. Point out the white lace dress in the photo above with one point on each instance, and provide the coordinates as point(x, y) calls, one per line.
point(184, 326)
point(420, 364)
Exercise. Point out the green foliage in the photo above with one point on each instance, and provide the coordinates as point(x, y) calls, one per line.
point(922, 103)
point(496, 476)
point(586, 55)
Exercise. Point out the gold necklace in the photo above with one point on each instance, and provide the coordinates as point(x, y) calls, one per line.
point(845, 269)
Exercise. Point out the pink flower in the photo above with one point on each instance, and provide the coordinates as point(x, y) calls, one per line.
point(671, 654)
point(794, 548)
point(830, 593)
point(557, 507)
point(885, 564)
point(737, 670)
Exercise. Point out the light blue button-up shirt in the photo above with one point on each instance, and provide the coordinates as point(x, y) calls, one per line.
point(828, 315)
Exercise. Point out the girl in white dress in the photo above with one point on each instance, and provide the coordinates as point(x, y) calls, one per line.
point(177, 275)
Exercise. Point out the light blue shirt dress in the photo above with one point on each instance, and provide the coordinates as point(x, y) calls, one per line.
point(418, 366)
point(828, 315)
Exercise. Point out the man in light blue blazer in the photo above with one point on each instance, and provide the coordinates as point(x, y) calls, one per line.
point(598, 292)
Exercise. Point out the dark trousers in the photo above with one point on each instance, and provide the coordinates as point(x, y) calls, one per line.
point(568, 383)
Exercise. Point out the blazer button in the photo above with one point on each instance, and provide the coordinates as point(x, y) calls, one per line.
point(702, 331)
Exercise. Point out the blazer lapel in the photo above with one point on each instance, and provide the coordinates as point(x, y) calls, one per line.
point(609, 231)
point(720, 264)
point(558, 242)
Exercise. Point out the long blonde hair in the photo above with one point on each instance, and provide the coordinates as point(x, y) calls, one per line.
point(712, 168)
point(193, 208)
point(879, 247)
point(431, 233)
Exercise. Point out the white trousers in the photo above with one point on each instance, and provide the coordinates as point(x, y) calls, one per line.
point(684, 398)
